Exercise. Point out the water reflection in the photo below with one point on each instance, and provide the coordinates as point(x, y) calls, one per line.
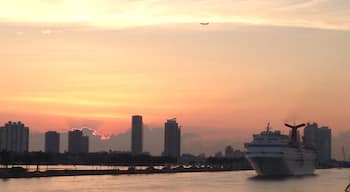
point(245, 181)
point(259, 178)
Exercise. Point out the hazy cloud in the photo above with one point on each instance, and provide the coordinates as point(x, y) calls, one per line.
point(328, 14)
point(341, 141)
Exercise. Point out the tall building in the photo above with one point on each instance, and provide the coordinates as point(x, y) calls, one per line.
point(218, 154)
point(172, 139)
point(136, 134)
point(321, 139)
point(233, 154)
point(2, 139)
point(14, 136)
point(310, 135)
point(229, 152)
point(325, 144)
point(52, 142)
point(84, 144)
point(77, 143)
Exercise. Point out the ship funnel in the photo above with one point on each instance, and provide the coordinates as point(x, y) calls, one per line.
point(294, 135)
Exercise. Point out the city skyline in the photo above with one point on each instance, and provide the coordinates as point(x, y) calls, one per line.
point(180, 95)
point(320, 138)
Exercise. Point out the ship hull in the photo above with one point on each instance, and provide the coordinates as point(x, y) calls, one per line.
point(282, 162)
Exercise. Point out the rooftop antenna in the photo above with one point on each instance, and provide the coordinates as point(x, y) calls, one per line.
point(268, 127)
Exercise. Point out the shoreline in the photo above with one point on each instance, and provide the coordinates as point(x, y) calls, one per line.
point(19, 173)
point(63, 173)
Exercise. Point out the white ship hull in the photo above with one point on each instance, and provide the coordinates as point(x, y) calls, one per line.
point(281, 160)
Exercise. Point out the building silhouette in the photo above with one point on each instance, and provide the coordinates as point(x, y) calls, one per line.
point(229, 152)
point(321, 139)
point(52, 142)
point(172, 139)
point(77, 143)
point(14, 136)
point(84, 144)
point(136, 134)
point(325, 144)
point(218, 154)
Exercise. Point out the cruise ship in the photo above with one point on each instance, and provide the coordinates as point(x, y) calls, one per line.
point(274, 154)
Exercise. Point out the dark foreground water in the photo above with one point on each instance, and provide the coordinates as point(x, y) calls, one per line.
point(330, 180)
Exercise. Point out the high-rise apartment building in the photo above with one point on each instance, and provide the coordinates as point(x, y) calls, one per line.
point(321, 139)
point(77, 143)
point(14, 136)
point(136, 134)
point(52, 142)
point(172, 139)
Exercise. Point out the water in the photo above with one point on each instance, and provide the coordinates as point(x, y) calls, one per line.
point(77, 167)
point(330, 180)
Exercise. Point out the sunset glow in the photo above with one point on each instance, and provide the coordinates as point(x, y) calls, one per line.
point(67, 63)
point(123, 13)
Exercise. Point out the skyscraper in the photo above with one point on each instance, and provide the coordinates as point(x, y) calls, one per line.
point(172, 139)
point(52, 142)
point(310, 135)
point(321, 139)
point(14, 136)
point(77, 143)
point(2, 140)
point(229, 152)
point(325, 144)
point(136, 134)
point(84, 144)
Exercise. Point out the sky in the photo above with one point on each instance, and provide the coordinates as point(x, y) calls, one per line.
point(68, 64)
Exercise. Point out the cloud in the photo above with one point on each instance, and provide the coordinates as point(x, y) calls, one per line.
point(51, 31)
point(325, 14)
point(46, 32)
point(84, 123)
point(19, 33)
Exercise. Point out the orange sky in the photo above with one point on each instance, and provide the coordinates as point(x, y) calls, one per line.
point(98, 65)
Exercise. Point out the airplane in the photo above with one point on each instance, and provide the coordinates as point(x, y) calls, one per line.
point(207, 23)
